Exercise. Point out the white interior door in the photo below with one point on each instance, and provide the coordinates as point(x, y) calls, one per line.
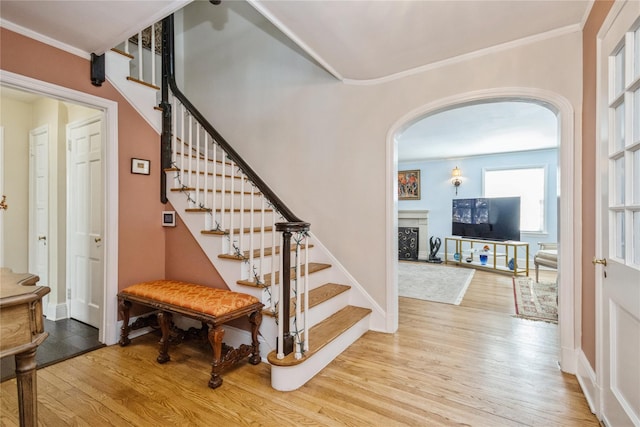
point(618, 271)
point(85, 221)
point(39, 203)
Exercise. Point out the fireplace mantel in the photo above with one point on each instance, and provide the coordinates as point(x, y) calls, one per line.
point(420, 219)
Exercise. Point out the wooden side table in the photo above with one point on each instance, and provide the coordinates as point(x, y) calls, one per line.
point(21, 332)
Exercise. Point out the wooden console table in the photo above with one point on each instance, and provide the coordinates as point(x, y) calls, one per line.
point(466, 252)
point(21, 332)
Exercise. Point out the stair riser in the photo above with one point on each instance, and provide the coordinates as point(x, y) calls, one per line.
point(209, 221)
point(293, 377)
point(227, 199)
point(317, 315)
point(194, 180)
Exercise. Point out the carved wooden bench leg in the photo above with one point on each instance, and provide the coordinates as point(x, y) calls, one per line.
point(164, 319)
point(255, 319)
point(124, 308)
point(216, 333)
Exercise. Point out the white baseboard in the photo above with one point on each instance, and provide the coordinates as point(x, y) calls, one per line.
point(588, 382)
point(56, 312)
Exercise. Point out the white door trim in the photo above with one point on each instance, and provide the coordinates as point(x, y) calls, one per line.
point(570, 292)
point(109, 331)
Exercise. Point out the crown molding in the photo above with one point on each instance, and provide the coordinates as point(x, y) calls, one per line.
point(44, 39)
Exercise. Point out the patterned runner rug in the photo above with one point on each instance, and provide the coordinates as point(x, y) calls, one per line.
point(536, 301)
point(433, 282)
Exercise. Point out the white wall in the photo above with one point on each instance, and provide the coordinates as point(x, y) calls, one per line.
point(322, 144)
point(437, 192)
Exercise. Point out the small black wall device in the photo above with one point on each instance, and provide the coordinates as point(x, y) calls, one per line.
point(97, 69)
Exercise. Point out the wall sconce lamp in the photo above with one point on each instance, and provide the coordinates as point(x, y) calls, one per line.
point(456, 179)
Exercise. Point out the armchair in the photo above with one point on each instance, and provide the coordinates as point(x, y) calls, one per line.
point(546, 256)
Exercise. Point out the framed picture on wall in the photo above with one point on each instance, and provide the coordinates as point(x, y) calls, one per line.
point(409, 185)
point(140, 166)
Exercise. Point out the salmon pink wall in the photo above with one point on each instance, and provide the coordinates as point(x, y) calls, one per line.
point(598, 13)
point(141, 236)
point(146, 250)
point(185, 259)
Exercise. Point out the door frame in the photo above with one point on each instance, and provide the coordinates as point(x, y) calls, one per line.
point(569, 298)
point(109, 331)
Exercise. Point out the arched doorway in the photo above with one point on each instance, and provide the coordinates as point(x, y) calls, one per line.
point(569, 252)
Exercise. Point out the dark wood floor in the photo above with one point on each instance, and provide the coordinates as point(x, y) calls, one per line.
point(469, 365)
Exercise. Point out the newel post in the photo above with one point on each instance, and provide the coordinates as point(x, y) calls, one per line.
point(287, 229)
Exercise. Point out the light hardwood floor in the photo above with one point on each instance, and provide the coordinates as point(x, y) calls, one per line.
point(472, 365)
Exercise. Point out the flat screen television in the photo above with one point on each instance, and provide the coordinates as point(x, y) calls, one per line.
point(493, 218)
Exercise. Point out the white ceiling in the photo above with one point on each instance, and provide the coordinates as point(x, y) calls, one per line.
point(360, 40)
point(84, 26)
point(474, 130)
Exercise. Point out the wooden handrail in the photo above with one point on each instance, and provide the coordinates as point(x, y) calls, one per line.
point(169, 81)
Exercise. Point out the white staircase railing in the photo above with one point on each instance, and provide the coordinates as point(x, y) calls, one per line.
point(233, 206)
point(145, 50)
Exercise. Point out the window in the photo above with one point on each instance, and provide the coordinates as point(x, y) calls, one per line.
point(529, 184)
point(624, 150)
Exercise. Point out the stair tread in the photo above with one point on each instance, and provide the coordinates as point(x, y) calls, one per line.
point(323, 333)
point(256, 253)
point(316, 297)
point(209, 190)
point(313, 267)
point(142, 82)
point(236, 231)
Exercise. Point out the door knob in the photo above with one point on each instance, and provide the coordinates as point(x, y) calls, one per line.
point(602, 261)
point(3, 204)
point(97, 239)
point(42, 237)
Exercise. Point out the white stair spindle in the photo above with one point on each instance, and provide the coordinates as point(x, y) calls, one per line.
point(306, 293)
point(197, 156)
point(281, 316)
point(223, 186)
point(251, 235)
point(214, 186)
point(182, 148)
point(274, 258)
point(231, 208)
point(241, 244)
point(261, 271)
point(297, 290)
point(189, 153)
point(206, 170)
point(153, 55)
point(174, 132)
point(140, 59)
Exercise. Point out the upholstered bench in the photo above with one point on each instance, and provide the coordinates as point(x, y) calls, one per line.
point(211, 306)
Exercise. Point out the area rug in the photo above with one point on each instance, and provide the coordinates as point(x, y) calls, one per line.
point(433, 282)
point(536, 301)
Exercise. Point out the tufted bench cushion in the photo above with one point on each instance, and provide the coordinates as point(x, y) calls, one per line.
point(200, 298)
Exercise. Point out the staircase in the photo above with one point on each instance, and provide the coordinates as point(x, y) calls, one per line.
point(237, 226)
